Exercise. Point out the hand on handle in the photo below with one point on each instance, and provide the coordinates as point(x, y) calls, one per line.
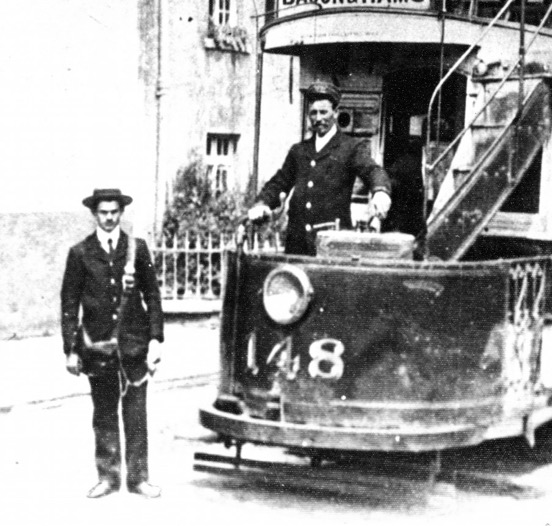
point(73, 363)
point(258, 212)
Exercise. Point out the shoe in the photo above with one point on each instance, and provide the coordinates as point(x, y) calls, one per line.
point(146, 490)
point(101, 489)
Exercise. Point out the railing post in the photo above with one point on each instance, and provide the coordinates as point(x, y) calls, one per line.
point(175, 266)
point(163, 264)
point(198, 265)
point(521, 54)
point(223, 245)
point(210, 266)
point(186, 261)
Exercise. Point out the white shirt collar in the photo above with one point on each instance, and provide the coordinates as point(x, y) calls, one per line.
point(103, 237)
point(320, 142)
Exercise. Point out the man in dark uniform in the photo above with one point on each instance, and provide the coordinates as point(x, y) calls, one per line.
point(109, 277)
point(322, 171)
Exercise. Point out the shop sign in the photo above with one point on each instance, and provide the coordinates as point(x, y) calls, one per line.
point(288, 7)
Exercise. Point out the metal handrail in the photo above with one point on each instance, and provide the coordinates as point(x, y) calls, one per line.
point(460, 191)
point(452, 70)
point(445, 152)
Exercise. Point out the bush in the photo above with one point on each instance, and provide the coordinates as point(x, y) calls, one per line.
point(197, 207)
point(200, 219)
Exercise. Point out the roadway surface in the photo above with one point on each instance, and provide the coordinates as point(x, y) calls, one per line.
point(46, 459)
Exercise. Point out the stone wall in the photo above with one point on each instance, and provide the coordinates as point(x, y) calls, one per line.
point(32, 264)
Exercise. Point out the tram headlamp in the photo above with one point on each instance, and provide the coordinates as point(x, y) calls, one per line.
point(287, 292)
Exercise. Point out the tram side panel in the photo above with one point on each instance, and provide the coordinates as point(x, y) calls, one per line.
point(376, 347)
point(441, 355)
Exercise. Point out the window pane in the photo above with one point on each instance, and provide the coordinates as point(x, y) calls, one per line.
point(223, 185)
point(221, 150)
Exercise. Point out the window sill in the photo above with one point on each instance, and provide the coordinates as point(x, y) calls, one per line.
point(211, 43)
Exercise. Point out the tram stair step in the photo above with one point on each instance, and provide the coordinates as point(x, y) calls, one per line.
point(501, 153)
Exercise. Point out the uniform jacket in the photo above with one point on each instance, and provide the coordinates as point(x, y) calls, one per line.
point(323, 183)
point(90, 283)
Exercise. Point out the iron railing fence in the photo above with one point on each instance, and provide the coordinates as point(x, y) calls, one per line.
point(189, 265)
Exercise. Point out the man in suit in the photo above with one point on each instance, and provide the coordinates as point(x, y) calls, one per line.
point(108, 279)
point(322, 171)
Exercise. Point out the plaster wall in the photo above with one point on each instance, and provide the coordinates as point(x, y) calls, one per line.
point(86, 103)
point(73, 119)
point(207, 90)
point(281, 112)
point(203, 89)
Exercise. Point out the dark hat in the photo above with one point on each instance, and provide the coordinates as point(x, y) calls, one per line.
point(323, 90)
point(106, 194)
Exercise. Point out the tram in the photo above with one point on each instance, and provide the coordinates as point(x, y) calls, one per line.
point(425, 337)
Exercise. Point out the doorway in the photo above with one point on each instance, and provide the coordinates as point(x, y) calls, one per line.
point(406, 95)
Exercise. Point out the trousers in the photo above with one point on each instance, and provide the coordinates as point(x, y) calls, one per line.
point(106, 399)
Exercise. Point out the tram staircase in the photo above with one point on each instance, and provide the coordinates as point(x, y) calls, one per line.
point(497, 149)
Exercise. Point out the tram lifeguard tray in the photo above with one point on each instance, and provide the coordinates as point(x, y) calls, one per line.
point(365, 245)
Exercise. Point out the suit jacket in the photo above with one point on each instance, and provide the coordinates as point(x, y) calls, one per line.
point(323, 183)
point(90, 283)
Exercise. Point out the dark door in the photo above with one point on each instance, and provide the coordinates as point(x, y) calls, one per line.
point(406, 96)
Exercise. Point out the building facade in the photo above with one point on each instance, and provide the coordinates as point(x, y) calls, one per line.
point(121, 94)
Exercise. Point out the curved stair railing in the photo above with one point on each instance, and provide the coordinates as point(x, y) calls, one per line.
point(503, 161)
point(452, 230)
point(453, 69)
point(431, 167)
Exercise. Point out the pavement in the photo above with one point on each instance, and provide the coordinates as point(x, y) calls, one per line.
point(33, 369)
point(46, 458)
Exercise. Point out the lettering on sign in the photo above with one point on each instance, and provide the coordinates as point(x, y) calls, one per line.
point(286, 5)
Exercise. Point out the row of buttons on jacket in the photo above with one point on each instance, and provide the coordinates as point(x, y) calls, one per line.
point(113, 282)
point(308, 205)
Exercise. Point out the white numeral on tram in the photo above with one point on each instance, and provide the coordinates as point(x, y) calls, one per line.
point(252, 354)
point(283, 350)
point(326, 359)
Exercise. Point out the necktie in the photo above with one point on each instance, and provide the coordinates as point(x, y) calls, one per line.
point(110, 245)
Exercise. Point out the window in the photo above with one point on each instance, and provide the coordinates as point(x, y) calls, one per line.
point(223, 31)
point(270, 11)
point(221, 12)
point(221, 150)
